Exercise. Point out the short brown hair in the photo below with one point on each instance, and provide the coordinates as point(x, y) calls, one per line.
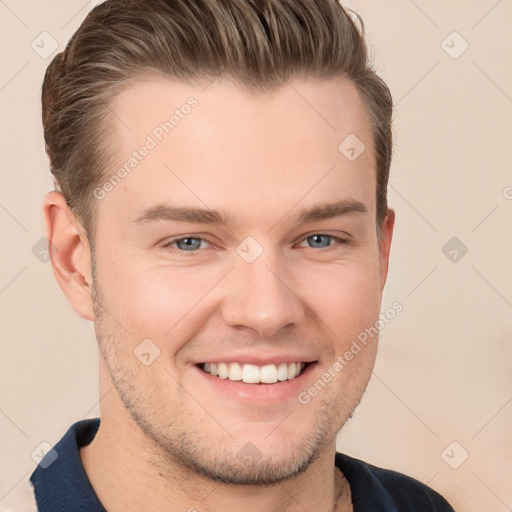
point(259, 44)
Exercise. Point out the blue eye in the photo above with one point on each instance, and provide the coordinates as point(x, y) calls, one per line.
point(320, 241)
point(188, 243)
point(193, 244)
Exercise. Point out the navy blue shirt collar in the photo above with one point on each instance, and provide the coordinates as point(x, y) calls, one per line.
point(63, 486)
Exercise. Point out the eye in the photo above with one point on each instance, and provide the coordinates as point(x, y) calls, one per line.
point(321, 241)
point(194, 243)
point(188, 243)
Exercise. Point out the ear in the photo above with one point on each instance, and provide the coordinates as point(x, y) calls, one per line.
point(385, 246)
point(70, 253)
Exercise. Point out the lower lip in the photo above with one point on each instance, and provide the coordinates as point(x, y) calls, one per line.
point(258, 393)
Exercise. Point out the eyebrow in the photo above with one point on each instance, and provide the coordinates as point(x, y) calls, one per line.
point(322, 211)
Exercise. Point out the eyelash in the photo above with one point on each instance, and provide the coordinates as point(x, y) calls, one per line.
point(340, 241)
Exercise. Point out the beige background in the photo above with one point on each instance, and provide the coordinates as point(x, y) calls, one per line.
point(444, 372)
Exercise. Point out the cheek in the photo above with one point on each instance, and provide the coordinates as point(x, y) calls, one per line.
point(345, 296)
point(159, 302)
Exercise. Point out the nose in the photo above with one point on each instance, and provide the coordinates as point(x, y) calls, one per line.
point(261, 297)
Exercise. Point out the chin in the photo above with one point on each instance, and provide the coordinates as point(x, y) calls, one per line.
point(249, 466)
point(256, 456)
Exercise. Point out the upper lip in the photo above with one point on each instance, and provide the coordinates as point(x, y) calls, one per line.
point(258, 359)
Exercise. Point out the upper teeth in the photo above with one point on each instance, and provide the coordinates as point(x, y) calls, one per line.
point(253, 374)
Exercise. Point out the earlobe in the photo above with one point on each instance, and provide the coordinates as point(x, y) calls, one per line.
point(69, 253)
point(385, 246)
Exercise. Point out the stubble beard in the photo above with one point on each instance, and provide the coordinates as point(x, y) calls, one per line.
point(175, 445)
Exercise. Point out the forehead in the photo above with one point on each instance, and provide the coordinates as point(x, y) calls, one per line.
point(220, 146)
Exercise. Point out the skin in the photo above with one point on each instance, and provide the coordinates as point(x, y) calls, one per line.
point(169, 438)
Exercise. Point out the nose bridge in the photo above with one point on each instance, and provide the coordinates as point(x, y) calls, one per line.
point(261, 295)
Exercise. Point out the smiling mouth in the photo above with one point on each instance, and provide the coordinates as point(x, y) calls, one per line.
point(254, 374)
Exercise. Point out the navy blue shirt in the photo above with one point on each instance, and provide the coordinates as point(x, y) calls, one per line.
point(61, 484)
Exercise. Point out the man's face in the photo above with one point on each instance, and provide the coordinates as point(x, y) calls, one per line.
point(271, 286)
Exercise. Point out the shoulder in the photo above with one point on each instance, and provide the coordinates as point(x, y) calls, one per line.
point(59, 480)
point(390, 490)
